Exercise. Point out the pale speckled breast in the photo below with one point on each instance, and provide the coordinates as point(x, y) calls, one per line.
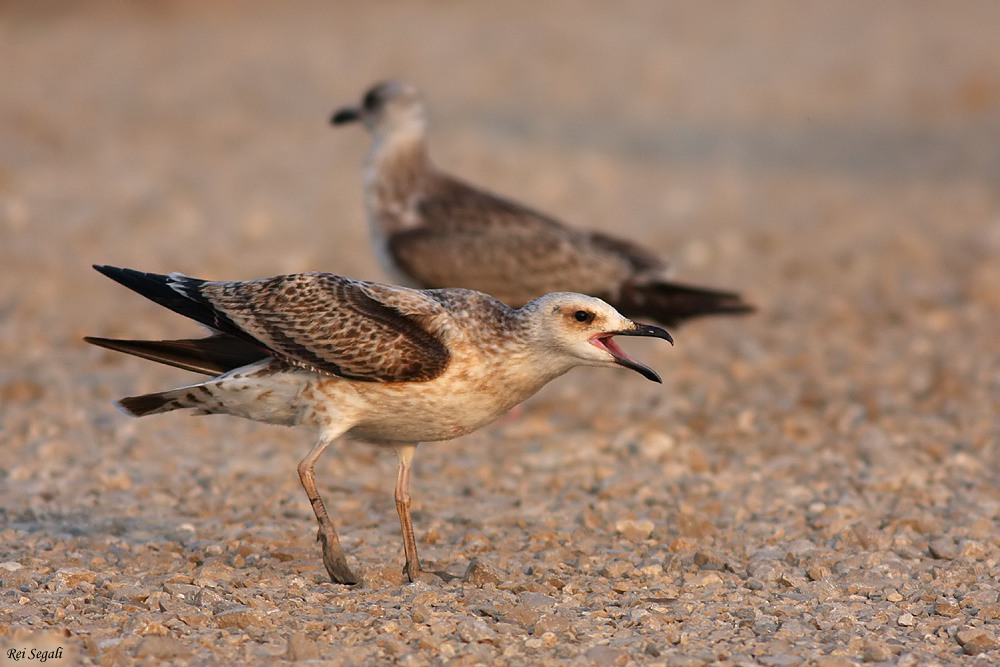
point(465, 398)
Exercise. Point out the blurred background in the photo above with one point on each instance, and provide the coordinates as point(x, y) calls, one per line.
point(838, 163)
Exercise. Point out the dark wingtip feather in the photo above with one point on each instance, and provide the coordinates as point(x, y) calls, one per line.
point(213, 355)
point(179, 293)
point(672, 303)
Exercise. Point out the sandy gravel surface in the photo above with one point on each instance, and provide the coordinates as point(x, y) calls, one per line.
point(816, 484)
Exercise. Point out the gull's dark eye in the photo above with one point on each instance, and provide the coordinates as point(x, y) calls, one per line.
point(583, 316)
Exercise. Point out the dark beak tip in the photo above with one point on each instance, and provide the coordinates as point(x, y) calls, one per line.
point(343, 116)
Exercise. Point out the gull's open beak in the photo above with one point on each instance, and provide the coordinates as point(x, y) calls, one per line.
point(605, 341)
point(348, 115)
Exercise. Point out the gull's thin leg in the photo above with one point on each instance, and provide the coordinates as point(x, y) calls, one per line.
point(333, 555)
point(402, 495)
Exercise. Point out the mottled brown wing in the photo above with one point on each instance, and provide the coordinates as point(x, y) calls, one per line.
point(338, 326)
point(478, 241)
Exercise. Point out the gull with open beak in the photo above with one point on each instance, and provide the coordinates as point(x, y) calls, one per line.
point(388, 364)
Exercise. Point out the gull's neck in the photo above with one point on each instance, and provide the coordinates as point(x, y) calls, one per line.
point(397, 173)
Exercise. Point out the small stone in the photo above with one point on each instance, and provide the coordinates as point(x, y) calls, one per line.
point(552, 623)
point(989, 612)
point(131, 593)
point(115, 656)
point(475, 630)
point(976, 600)
point(606, 655)
point(974, 549)
point(631, 529)
point(154, 646)
point(875, 651)
point(194, 619)
point(532, 599)
point(976, 640)
point(781, 660)
point(765, 626)
point(689, 525)
point(947, 607)
point(175, 607)
point(420, 614)
point(865, 536)
point(709, 559)
point(792, 581)
point(480, 573)
point(616, 569)
point(300, 647)
point(207, 597)
point(906, 620)
point(180, 591)
point(145, 627)
point(943, 548)
point(376, 576)
point(241, 617)
point(11, 566)
point(833, 661)
point(522, 616)
point(766, 565)
point(71, 577)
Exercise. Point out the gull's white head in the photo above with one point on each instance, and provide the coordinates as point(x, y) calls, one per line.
point(388, 107)
point(579, 330)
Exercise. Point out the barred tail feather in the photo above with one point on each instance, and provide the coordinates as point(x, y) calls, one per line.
point(165, 401)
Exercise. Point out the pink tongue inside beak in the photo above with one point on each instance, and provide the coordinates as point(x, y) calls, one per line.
point(606, 342)
point(609, 344)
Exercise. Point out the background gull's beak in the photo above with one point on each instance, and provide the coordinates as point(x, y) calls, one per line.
point(347, 115)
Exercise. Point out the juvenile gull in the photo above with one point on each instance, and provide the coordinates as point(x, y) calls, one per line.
point(388, 364)
point(431, 230)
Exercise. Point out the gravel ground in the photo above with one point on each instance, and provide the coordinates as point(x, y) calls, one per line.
point(816, 484)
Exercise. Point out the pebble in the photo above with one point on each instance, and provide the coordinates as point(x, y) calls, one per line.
point(523, 616)
point(552, 623)
point(161, 648)
point(606, 656)
point(71, 577)
point(617, 569)
point(944, 548)
point(380, 575)
point(472, 630)
point(631, 529)
point(709, 559)
point(241, 617)
point(947, 607)
point(876, 651)
point(976, 640)
point(481, 573)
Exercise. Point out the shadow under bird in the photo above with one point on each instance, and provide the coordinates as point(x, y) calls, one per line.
point(431, 230)
point(387, 364)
